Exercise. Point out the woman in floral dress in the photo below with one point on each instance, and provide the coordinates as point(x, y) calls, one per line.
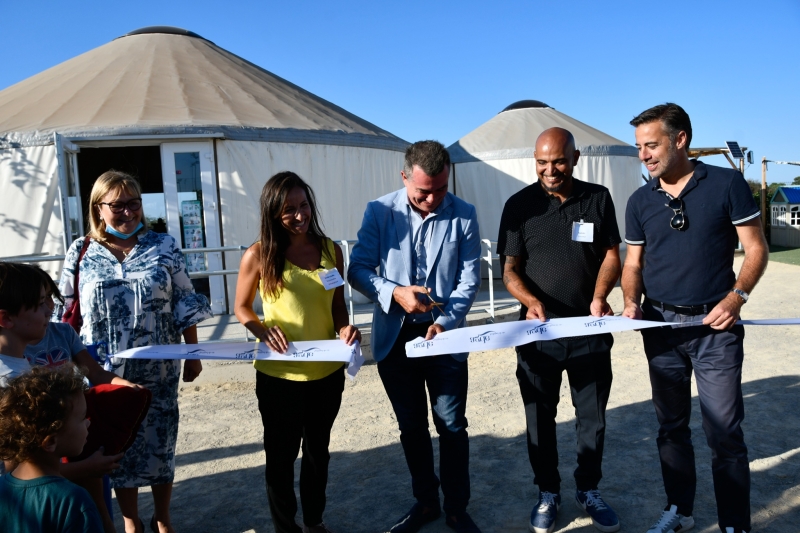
point(135, 291)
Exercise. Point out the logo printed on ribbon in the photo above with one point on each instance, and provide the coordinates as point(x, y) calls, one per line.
point(423, 344)
point(198, 352)
point(485, 337)
point(538, 330)
point(308, 352)
point(249, 355)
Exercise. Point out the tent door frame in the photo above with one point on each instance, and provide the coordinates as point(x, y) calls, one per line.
point(67, 169)
point(210, 207)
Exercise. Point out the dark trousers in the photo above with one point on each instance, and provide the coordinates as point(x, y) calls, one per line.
point(540, 365)
point(405, 380)
point(293, 412)
point(716, 358)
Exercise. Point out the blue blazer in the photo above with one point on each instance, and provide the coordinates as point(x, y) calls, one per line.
point(381, 261)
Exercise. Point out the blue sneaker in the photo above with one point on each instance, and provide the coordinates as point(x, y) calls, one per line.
point(543, 516)
point(603, 516)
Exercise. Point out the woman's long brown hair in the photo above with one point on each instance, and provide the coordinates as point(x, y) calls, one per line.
point(274, 237)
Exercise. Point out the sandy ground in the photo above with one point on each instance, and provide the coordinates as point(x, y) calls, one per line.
point(220, 477)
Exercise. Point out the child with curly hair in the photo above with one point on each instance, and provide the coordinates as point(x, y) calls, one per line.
point(42, 419)
point(28, 339)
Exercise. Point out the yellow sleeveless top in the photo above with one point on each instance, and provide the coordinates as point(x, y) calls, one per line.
point(303, 311)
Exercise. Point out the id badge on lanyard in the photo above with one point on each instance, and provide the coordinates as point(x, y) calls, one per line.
point(583, 231)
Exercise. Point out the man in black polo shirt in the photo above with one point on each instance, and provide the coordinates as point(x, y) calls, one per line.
point(559, 246)
point(681, 229)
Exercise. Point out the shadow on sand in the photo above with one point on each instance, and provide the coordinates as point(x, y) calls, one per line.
point(368, 490)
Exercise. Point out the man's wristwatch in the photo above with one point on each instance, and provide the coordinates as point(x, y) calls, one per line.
point(743, 295)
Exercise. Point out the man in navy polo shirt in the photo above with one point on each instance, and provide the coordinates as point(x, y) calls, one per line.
point(682, 228)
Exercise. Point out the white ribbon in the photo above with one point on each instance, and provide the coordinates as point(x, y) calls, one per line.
point(771, 322)
point(307, 351)
point(517, 333)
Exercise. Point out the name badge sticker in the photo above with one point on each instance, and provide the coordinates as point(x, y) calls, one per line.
point(583, 231)
point(330, 279)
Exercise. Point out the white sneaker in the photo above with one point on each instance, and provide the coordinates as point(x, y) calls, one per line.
point(672, 522)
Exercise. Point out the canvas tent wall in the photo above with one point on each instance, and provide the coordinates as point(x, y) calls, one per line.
point(496, 160)
point(170, 88)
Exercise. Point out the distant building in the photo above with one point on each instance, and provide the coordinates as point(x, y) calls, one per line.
point(785, 206)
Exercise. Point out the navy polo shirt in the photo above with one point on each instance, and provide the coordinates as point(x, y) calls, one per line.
point(693, 266)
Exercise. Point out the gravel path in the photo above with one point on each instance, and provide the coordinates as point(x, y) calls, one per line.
point(219, 485)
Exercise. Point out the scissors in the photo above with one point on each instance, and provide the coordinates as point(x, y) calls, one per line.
point(434, 303)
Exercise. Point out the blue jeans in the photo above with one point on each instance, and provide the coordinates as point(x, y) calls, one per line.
point(716, 359)
point(404, 380)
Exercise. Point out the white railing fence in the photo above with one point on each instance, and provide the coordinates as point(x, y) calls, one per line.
point(487, 255)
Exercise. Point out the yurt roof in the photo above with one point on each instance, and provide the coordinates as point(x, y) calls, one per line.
point(512, 133)
point(168, 81)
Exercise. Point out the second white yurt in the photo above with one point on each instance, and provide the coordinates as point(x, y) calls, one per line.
point(495, 160)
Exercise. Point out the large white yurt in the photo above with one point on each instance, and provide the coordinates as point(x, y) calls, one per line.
point(495, 160)
point(202, 128)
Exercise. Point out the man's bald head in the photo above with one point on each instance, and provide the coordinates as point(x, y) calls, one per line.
point(556, 137)
point(556, 156)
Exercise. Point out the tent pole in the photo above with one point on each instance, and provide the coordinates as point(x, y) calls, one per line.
point(764, 192)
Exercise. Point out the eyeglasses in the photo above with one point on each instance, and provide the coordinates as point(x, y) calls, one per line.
point(679, 218)
point(118, 207)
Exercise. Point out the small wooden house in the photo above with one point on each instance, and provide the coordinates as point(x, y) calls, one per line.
point(785, 206)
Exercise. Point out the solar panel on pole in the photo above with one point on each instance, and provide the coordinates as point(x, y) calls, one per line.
point(733, 148)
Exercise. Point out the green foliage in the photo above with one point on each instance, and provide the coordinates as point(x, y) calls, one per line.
point(755, 188)
point(796, 181)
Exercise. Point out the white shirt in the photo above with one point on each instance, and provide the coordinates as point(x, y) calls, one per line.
point(11, 367)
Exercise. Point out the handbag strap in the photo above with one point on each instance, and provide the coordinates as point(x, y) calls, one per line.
point(78, 265)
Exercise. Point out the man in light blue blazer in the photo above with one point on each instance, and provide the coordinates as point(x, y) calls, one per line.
point(417, 259)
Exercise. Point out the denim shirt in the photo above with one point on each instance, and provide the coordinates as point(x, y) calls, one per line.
point(421, 232)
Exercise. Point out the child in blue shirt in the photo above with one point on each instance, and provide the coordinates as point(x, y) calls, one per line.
point(43, 418)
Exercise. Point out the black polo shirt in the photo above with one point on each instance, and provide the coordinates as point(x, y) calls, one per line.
point(693, 266)
point(537, 227)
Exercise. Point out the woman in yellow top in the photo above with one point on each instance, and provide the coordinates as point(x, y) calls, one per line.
point(298, 401)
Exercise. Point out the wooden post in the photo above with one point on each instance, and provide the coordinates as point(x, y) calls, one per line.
point(764, 192)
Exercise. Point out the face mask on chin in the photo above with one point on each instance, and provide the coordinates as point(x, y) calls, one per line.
point(120, 235)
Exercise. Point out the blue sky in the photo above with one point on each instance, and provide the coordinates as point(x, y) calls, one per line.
point(426, 69)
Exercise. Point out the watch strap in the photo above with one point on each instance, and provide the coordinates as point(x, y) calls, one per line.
point(743, 295)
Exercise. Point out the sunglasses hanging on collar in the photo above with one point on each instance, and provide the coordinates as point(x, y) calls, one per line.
point(679, 220)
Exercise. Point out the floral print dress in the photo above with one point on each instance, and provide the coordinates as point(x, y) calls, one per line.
point(146, 299)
